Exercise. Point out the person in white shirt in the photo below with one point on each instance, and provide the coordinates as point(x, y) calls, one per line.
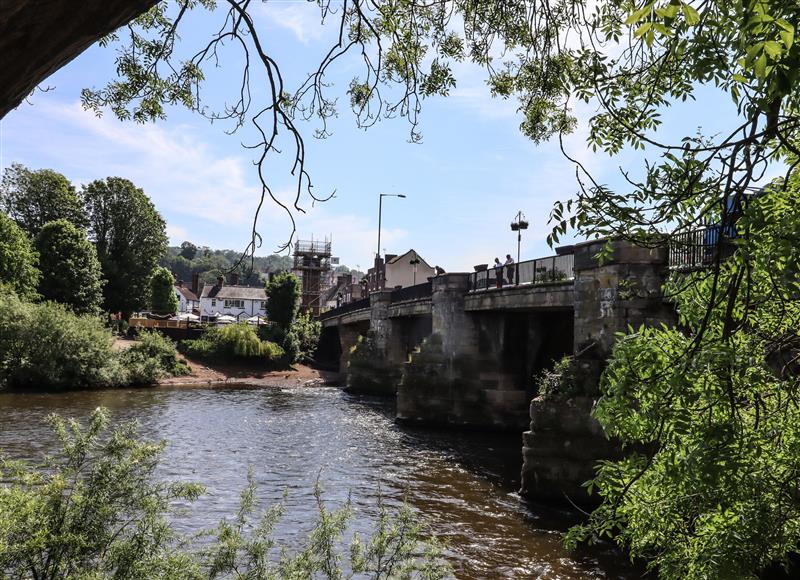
point(498, 272)
point(509, 268)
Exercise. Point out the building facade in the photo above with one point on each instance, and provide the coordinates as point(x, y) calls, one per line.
point(241, 302)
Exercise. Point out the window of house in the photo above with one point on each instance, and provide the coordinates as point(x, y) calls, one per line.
point(234, 304)
point(263, 305)
point(213, 302)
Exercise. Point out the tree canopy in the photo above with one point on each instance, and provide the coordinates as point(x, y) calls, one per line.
point(18, 259)
point(33, 198)
point(283, 299)
point(162, 292)
point(71, 272)
point(129, 235)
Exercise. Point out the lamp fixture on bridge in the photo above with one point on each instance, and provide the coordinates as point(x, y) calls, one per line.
point(520, 223)
point(414, 262)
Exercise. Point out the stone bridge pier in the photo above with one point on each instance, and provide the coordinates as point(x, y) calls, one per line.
point(461, 353)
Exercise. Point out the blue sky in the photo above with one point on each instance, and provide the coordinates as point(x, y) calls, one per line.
point(464, 183)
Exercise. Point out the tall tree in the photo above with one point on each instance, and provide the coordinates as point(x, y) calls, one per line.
point(162, 292)
point(71, 272)
point(18, 259)
point(130, 237)
point(33, 198)
point(188, 250)
point(283, 299)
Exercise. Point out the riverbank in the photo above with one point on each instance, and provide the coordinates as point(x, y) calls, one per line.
point(242, 373)
point(203, 373)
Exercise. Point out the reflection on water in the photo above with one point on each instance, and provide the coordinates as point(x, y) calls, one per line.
point(463, 483)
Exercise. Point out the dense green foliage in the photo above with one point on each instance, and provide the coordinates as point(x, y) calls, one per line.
point(48, 346)
point(151, 358)
point(163, 299)
point(188, 251)
point(33, 198)
point(18, 260)
point(715, 402)
point(98, 510)
point(233, 341)
point(561, 380)
point(211, 263)
point(129, 235)
point(307, 331)
point(283, 299)
point(70, 270)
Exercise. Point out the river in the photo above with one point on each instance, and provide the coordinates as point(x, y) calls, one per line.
point(462, 483)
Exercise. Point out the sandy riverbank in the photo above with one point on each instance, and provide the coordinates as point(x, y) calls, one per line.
point(236, 374)
point(203, 373)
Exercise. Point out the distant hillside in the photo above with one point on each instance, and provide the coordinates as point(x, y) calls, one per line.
point(187, 258)
point(212, 263)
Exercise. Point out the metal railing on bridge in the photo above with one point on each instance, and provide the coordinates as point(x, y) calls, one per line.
point(698, 248)
point(344, 309)
point(418, 292)
point(539, 271)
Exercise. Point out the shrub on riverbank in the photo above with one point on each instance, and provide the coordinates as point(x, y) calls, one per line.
point(97, 510)
point(47, 346)
point(235, 341)
point(153, 357)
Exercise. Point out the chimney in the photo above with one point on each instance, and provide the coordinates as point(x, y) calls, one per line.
point(180, 283)
point(220, 281)
point(234, 278)
point(195, 282)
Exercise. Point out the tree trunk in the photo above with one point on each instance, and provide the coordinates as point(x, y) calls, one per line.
point(38, 37)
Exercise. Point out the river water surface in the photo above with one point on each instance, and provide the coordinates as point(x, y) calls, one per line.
point(462, 483)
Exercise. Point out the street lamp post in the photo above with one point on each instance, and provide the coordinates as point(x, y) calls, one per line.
point(519, 224)
point(414, 263)
point(380, 213)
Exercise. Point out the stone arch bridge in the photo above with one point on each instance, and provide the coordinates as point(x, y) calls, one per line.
point(461, 351)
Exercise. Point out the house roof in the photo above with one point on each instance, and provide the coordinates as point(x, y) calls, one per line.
point(400, 257)
point(233, 292)
point(188, 294)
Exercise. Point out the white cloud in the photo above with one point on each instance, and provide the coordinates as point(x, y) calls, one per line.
point(303, 19)
point(178, 172)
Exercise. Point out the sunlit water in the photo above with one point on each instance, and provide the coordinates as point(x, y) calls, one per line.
point(462, 483)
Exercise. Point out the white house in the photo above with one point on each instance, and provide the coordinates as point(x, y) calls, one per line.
point(241, 302)
point(187, 300)
point(406, 270)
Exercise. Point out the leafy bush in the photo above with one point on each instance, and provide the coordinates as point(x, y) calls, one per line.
point(283, 299)
point(97, 510)
point(153, 357)
point(307, 331)
point(48, 346)
point(560, 380)
point(239, 340)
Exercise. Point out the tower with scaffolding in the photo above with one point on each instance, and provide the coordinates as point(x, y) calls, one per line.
point(312, 264)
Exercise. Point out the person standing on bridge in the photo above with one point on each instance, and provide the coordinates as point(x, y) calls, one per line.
point(498, 272)
point(509, 268)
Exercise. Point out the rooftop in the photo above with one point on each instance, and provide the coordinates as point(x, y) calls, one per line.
point(227, 292)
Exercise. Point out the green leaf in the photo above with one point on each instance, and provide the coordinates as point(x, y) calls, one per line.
point(761, 66)
point(773, 49)
point(691, 15)
point(643, 29)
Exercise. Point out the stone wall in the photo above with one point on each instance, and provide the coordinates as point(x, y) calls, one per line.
point(564, 442)
point(561, 448)
point(456, 377)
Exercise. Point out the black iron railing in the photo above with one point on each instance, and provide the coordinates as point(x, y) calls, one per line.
point(538, 271)
point(350, 307)
point(418, 292)
point(698, 248)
